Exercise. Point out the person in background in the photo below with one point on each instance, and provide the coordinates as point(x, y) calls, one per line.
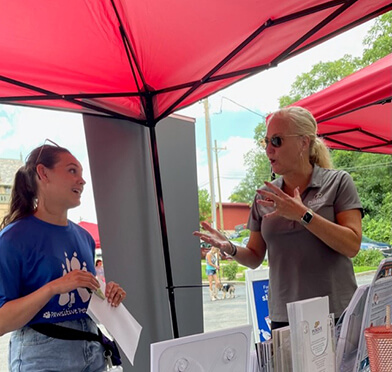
point(47, 272)
point(308, 220)
point(99, 270)
point(212, 266)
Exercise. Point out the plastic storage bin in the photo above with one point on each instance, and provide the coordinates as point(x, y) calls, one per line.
point(379, 346)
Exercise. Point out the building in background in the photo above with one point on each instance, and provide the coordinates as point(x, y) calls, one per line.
point(234, 214)
point(8, 168)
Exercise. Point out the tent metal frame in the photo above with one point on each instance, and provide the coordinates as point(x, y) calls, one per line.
point(148, 95)
point(329, 135)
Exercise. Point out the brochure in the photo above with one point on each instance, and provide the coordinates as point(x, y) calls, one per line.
point(282, 349)
point(311, 330)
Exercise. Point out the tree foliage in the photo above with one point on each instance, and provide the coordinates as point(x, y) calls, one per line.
point(372, 176)
point(371, 257)
point(230, 270)
point(378, 41)
point(204, 206)
point(258, 170)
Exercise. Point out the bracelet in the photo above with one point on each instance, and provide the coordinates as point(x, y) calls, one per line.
point(234, 249)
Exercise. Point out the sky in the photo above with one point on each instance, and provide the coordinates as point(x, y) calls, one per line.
point(234, 114)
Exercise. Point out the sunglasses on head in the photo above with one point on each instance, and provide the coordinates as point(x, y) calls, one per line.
point(42, 147)
point(276, 141)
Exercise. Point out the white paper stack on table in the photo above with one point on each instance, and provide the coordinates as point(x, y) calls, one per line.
point(282, 349)
point(265, 356)
point(312, 335)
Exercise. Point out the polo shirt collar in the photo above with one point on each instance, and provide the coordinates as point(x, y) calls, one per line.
point(317, 177)
point(315, 181)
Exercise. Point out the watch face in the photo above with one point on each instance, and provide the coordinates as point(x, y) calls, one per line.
point(307, 217)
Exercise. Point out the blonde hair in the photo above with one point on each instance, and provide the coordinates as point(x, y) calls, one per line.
point(215, 250)
point(305, 125)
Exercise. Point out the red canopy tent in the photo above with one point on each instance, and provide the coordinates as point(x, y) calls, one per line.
point(142, 60)
point(356, 112)
point(92, 228)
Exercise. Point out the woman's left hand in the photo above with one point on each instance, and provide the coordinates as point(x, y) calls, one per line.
point(114, 294)
point(290, 207)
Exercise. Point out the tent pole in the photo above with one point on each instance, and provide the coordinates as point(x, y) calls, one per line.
point(159, 193)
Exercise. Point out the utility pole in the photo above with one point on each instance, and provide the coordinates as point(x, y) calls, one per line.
point(216, 149)
point(209, 157)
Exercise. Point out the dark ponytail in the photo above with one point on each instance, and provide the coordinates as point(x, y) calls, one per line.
point(25, 189)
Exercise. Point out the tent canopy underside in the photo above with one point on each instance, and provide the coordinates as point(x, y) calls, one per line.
point(142, 60)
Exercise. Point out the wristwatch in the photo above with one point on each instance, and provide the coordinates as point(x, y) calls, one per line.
point(307, 217)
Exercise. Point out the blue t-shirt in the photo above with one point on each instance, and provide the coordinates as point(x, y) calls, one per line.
point(33, 253)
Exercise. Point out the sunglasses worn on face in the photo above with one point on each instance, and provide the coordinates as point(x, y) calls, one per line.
point(276, 141)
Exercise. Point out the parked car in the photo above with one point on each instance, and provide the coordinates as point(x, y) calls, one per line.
point(245, 241)
point(204, 249)
point(234, 235)
point(368, 243)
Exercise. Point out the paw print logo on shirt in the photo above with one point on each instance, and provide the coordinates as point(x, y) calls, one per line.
point(73, 264)
point(46, 315)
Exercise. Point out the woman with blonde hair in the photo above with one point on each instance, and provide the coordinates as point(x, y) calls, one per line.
point(308, 220)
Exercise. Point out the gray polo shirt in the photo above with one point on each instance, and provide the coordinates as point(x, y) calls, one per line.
point(301, 265)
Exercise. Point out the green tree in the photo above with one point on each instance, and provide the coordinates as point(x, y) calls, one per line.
point(258, 170)
point(380, 227)
point(204, 206)
point(371, 257)
point(378, 41)
point(372, 176)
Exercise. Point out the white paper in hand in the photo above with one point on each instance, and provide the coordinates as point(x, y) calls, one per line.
point(118, 321)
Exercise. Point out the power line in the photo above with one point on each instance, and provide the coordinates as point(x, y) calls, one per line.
point(240, 105)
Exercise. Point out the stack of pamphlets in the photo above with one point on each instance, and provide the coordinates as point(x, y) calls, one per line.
point(265, 356)
point(312, 335)
point(282, 349)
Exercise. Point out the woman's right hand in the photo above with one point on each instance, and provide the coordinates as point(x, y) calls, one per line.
point(213, 237)
point(74, 279)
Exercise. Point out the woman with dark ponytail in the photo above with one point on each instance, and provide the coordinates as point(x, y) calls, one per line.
point(24, 191)
point(47, 272)
point(308, 220)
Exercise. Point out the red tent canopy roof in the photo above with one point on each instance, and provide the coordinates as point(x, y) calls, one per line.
point(92, 228)
point(356, 112)
point(142, 60)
